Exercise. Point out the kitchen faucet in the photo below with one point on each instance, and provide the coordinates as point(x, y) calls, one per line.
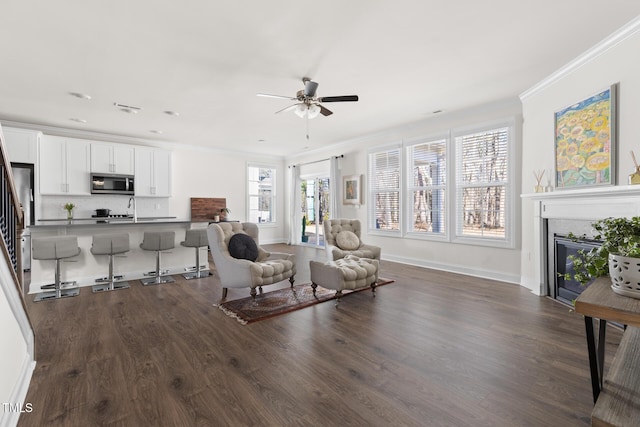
point(132, 200)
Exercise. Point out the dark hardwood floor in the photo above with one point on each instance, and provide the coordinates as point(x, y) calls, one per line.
point(432, 349)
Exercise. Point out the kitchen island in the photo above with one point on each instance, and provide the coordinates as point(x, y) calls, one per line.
point(86, 267)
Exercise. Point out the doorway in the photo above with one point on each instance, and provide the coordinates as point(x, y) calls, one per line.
point(315, 209)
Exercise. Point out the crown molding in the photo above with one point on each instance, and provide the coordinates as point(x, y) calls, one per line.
point(122, 139)
point(603, 46)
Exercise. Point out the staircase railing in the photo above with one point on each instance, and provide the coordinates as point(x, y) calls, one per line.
point(11, 220)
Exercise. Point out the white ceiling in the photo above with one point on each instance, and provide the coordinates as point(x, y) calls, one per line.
point(207, 59)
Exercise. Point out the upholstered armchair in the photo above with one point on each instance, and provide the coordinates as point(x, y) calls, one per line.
point(342, 238)
point(242, 263)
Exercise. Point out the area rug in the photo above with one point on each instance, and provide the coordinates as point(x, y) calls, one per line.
point(286, 300)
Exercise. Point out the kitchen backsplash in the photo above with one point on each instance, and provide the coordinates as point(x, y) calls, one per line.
point(52, 207)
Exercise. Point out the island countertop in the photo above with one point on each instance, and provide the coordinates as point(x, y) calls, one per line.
point(133, 265)
point(107, 222)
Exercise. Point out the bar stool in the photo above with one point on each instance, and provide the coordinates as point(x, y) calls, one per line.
point(110, 244)
point(56, 248)
point(158, 241)
point(196, 239)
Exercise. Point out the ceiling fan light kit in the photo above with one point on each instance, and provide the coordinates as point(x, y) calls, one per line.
point(309, 105)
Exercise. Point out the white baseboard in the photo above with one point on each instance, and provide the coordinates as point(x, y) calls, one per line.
point(475, 272)
point(9, 418)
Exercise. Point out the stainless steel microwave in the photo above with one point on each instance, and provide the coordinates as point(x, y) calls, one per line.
point(104, 183)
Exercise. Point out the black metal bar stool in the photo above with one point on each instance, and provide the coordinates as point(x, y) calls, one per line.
point(56, 248)
point(196, 239)
point(158, 241)
point(111, 245)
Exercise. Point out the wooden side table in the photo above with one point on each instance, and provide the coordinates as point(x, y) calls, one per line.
point(599, 301)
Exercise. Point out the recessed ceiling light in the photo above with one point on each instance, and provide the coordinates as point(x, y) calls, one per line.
point(159, 132)
point(80, 95)
point(75, 119)
point(172, 113)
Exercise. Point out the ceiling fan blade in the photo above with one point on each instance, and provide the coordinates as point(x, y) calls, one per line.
point(266, 95)
point(325, 111)
point(289, 108)
point(310, 88)
point(345, 98)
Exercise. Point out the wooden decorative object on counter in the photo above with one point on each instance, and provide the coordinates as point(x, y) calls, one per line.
point(204, 208)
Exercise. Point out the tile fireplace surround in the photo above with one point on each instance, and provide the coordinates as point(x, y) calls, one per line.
point(573, 211)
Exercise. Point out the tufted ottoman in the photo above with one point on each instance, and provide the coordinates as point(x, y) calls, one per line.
point(350, 272)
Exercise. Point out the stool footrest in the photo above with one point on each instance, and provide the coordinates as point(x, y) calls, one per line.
point(64, 293)
point(109, 286)
point(153, 273)
point(197, 275)
point(158, 280)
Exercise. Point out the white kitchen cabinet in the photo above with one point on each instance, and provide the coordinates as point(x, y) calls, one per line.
point(22, 144)
point(112, 158)
point(152, 172)
point(63, 166)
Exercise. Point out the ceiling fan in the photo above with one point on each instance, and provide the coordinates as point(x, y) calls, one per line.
point(309, 105)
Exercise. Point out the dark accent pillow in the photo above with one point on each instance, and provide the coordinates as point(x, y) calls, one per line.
point(242, 246)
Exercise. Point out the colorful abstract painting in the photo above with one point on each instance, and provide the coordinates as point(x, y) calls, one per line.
point(585, 142)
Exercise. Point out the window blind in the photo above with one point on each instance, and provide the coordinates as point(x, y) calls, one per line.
point(426, 199)
point(483, 195)
point(384, 180)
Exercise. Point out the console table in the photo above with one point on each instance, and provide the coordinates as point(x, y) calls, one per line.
point(616, 396)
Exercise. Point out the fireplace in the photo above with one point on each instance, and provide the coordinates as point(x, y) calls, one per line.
point(558, 213)
point(567, 290)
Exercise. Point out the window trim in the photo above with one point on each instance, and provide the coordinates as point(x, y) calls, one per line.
point(451, 205)
point(274, 193)
point(371, 229)
point(510, 221)
point(408, 214)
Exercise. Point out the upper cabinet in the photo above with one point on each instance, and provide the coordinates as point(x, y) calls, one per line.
point(112, 158)
point(63, 166)
point(152, 172)
point(22, 144)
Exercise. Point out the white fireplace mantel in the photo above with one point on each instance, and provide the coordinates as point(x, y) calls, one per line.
point(585, 204)
point(588, 203)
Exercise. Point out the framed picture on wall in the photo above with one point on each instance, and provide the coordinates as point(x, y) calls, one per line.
point(352, 190)
point(585, 142)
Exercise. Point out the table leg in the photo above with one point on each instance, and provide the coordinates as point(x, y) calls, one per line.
point(596, 355)
point(602, 331)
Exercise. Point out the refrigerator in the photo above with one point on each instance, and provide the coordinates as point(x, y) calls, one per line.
point(24, 180)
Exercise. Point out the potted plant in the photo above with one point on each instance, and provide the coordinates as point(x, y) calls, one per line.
point(69, 208)
point(620, 249)
point(305, 238)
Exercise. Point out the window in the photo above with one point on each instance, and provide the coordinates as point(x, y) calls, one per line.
point(483, 189)
point(455, 186)
point(426, 184)
point(261, 193)
point(384, 189)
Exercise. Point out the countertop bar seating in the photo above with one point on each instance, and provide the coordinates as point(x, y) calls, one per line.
point(56, 248)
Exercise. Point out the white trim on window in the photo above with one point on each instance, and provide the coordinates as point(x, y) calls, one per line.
point(502, 178)
point(267, 185)
point(385, 187)
point(400, 200)
point(428, 219)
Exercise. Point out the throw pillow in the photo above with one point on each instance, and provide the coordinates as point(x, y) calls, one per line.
point(347, 240)
point(242, 246)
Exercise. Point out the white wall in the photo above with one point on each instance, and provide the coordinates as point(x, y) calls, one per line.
point(213, 173)
point(16, 351)
point(614, 60)
point(497, 263)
